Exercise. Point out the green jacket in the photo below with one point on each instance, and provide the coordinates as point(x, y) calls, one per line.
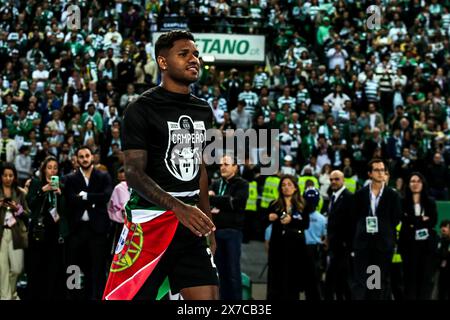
point(322, 33)
point(24, 127)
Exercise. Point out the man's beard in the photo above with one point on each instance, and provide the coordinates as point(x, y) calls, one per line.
point(85, 167)
point(184, 80)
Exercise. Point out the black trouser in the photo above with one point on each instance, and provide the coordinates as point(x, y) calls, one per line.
point(397, 283)
point(312, 272)
point(228, 261)
point(186, 263)
point(418, 271)
point(286, 265)
point(113, 237)
point(365, 277)
point(337, 281)
point(88, 250)
point(386, 103)
point(46, 274)
point(444, 283)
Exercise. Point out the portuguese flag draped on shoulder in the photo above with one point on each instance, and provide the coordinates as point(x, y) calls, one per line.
point(139, 249)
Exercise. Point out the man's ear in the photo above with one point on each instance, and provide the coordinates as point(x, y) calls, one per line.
point(162, 62)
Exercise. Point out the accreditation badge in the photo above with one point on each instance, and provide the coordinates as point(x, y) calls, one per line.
point(372, 225)
point(422, 234)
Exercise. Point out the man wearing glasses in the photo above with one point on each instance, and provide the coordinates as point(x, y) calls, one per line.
point(376, 213)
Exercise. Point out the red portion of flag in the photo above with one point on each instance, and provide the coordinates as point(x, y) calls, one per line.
point(139, 250)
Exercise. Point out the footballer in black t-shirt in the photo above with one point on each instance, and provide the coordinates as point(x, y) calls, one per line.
point(168, 218)
point(172, 128)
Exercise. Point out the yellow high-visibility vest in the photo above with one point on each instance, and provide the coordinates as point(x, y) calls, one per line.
point(320, 204)
point(270, 191)
point(302, 181)
point(252, 196)
point(396, 257)
point(350, 184)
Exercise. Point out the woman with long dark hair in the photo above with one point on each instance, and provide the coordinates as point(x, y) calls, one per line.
point(13, 240)
point(287, 246)
point(417, 238)
point(47, 231)
point(89, 131)
point(109, 71)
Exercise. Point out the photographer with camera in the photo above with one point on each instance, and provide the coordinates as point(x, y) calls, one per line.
point(13, 232)
point(45, 267)
point(289, 216)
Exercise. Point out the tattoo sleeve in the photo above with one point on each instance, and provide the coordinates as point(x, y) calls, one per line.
point(146, 187)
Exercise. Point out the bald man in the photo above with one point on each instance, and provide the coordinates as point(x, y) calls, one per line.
point(337, 283)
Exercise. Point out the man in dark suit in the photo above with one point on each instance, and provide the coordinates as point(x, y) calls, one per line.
point(92, 22)
point(376, 213)
point(339, 237)
point(88, 96)
point(87, 191)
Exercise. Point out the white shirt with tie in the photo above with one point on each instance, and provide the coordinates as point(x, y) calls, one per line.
point(336, 196)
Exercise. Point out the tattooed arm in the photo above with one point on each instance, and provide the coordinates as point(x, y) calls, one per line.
point(191, 217)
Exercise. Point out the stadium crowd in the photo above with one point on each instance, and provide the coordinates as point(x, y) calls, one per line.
point(340, 92)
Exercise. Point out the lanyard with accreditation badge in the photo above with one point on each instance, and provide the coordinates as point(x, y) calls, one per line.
point(372, 219)
point(222, 188)
point(421, 234)
point(220, 192)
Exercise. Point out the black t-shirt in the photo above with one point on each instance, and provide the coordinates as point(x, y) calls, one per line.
point(172, 128)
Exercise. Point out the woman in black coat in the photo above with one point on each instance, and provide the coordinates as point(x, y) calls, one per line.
point(287, 246)
point(417, 240)
point(46, 235)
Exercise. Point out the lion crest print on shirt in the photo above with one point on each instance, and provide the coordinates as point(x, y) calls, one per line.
point(184, 149)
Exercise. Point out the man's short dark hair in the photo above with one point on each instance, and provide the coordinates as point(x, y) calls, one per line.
point(375, 160)
point(24, 148)
point(444, 223)
point(82, 148)
point(166, 40)
point(309, 183)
